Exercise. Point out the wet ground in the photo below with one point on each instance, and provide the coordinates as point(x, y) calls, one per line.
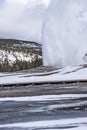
point(66, 110)
point(58, 107)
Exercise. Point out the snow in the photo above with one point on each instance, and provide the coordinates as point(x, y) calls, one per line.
point(60, 106)
point(70, 73)
point(12, 56)
point(78, 122)
point(77, 128)
point(45, 97)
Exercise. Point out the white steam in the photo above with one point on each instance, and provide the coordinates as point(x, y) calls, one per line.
point(64, 33)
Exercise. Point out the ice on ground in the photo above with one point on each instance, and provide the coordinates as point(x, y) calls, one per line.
point(76, 122)
point(44, 97)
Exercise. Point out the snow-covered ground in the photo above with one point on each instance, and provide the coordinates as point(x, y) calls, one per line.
point(69, 73)
point(49, 104)
point(44, 98)
point(77, 122)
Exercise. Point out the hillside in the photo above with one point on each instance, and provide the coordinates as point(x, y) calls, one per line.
point(18, 55)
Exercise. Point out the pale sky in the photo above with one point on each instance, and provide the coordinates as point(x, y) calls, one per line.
point(22, 19)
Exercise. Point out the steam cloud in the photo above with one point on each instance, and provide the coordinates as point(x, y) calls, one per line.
point(64, 33)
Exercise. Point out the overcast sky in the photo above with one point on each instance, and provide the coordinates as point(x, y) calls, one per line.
point(22, 19)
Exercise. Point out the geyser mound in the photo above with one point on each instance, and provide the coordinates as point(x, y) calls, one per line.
point(64, 33)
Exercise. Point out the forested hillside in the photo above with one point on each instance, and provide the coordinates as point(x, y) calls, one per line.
point(18, 55)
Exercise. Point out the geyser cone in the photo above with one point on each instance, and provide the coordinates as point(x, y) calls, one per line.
point(64, 33)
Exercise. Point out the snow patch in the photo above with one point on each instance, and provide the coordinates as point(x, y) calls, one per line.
point(78, 122)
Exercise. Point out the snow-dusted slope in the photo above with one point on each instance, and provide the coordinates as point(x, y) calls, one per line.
point(17, 54)
point(19, 44)
point(70, 73)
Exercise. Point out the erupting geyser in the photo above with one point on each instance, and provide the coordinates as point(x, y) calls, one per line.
point(64, 33)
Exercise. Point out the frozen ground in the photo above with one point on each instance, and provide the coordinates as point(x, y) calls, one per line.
point(65, 106)
point(56, 112)
point(70, 73)
point(49, 81)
